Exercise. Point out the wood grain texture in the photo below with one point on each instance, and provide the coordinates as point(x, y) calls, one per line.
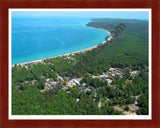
point(6, 4)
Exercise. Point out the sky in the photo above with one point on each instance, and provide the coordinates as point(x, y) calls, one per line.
point(144, 15)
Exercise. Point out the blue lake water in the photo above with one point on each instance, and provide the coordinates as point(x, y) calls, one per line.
point(39, 37)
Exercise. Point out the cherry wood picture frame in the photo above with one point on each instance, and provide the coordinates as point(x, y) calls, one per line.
point(5, 5)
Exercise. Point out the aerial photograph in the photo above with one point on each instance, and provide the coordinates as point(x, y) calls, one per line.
point(79, 62)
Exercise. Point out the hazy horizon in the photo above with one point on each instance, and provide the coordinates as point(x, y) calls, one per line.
point(142, 15)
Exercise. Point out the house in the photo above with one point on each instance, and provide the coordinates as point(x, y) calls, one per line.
point(100, 104)
point(91, 87)
point(81, 88)
point(47, 80)
point(74, 77)
point(107, 98)
point(77, 99)
point(134, 73)
point(87, 89)
point(53, 83)
point(95, 94)
point(50, 84)
point(109, 81)
point(105, 76)
point(111, 69)
point(34, 81)
point(64, 88)
point(60, 79)
point(71, 83)
point(76, 82)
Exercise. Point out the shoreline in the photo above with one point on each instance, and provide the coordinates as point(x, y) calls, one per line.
point(67, 54)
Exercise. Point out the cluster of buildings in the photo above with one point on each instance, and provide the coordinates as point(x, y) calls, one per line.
point(108, 76)
point(74, 81)
point(50, 84)
point(115, 71)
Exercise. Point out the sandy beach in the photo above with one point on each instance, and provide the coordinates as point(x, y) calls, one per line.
point(81, 51)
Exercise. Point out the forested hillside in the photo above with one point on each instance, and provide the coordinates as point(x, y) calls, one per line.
point(44, 88)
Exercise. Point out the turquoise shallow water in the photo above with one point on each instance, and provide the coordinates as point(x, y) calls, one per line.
point(39, 38)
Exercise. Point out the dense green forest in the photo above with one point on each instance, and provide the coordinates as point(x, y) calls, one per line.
point(128, 51)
